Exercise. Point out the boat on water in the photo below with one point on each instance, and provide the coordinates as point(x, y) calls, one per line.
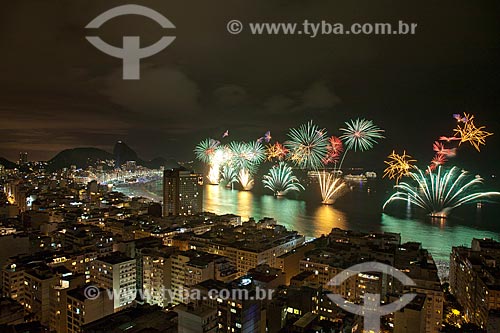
point(355, 178)
point(370, 174)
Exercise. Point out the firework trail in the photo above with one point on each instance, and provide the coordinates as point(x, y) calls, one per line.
point(246, 179)
point(208, 152)
point(440, 191)
point(280, 180)
point(331, 186)
point(229, 175)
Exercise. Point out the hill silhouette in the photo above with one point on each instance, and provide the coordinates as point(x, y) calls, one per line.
point(81, 157)
point(90, 156)
point(7, 164)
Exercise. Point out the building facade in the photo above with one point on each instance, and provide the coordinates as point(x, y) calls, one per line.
point(182, 192)
point(475, 280)
point(117, 274)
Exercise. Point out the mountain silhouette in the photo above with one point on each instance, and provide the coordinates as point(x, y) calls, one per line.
point(123, 153)
point(7, 164)
point(89, 156)
point(81, 157)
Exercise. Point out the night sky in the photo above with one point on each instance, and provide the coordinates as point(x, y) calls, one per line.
point(58, 91)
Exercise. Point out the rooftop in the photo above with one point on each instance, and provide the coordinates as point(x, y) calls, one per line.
point(115, 258)
point(246, 237)
point(134, 320)
point(81, 295)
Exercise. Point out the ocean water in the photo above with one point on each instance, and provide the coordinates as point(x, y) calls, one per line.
point(358, 209)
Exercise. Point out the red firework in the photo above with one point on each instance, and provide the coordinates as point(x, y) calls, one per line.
point(440, 149)
point(334, 149)
point(449, 138)
point(276, 151)
point(439, 159)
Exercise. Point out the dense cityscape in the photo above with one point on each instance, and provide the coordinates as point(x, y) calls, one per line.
point(79, 256)
point(249, 166)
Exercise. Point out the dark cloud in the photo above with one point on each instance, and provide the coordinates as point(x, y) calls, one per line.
point(161, 91)
point(319, 96)
point(57, 91)
point(230, 96)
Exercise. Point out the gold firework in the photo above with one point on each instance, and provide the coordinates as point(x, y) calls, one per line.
point(276, 151)
point(469, 132)
point(398, 165)
point(331, 186)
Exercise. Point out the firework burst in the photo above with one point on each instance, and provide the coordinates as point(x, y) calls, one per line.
point(276, 151)
point(398, 165)
point(226, 154)
point(213, 175)
point(361, 134)
point(334, 150)
point(206, 149)
point(229, 175)
point(246, 158)
point(331, 186)
point(209, 151)
point(280, 180)
point(469, 132)
point(241, 156)
point(256, 152)
point(439, 159)
point(440, 149)
point(307, 146)
point(440, 192)
point(246, 179)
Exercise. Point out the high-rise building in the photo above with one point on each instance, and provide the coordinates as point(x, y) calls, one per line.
point(117, 274)
point(234, 314)
point(140, 318)
point(475, 281)
point(189, 268)
point(81, 310)
point(13, 281)
point(58, 301)
point(289, 262)
point(196, 318)
point(418, 264)
point(23, 158)
point(156, 276)
point(182, 192)
point(38, 283)
point(411, 319)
